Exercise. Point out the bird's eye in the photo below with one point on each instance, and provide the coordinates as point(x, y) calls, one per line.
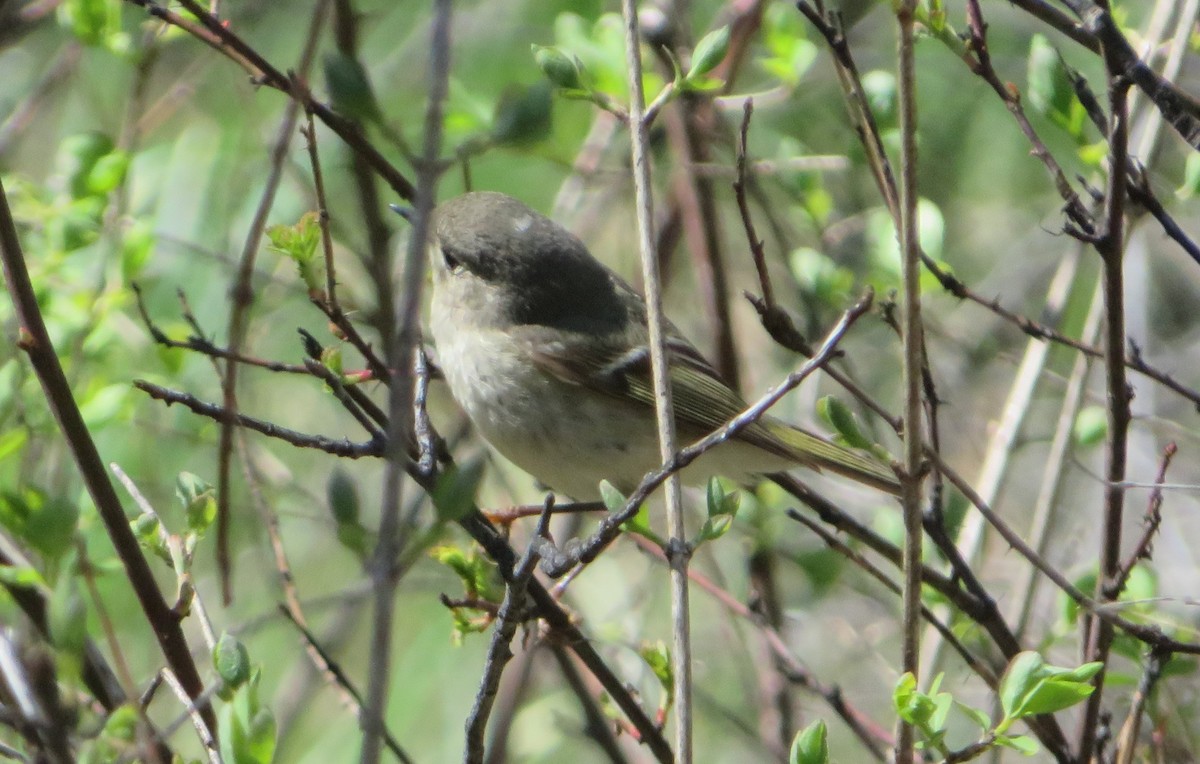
point(452, 263)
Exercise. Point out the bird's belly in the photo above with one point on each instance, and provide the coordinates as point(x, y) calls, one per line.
point(566, 436)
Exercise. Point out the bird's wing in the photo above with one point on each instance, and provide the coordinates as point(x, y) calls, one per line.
point(702, 401)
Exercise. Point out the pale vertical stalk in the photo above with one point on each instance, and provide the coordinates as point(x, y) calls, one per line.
point(910, 248)
point(677, 548)
point(402, 349)
point(1053, 474)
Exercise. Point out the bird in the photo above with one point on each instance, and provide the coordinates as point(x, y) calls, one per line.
point(547, 352)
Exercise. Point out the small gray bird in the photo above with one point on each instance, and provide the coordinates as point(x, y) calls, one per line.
point(547, 351)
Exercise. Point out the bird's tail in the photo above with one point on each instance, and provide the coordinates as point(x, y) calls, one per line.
point(817, 452)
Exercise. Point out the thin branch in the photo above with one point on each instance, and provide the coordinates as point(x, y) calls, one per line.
point(1151, 635)
point(911, 478)
point(341, 447)
point(402, 353)
point(512, 612)
point(200, 344)
point(678, 550)
point(873, 738)
point(35, 341)
point(1141, 550)
point(329, 667)
point(1110, 244)
point(215, 33)
point(1127, 739)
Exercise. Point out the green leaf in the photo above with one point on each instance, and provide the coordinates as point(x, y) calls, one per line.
point(92, 21)
point(354, 537)
point(12, 441)
point(1022, 743)
point(1019, 679)
point(231, 660)
point(247, 729)
point(77, 155)
point(790, 53)
point(107, 173)
point(199, 500)
point(905, 696)
point(1191, 177)
point(879, 86)
point(977, 715)
point(719, 501)
point(839, 416)
point(1030, 686)
point(21, 577)
point(342, 494)
point(350, 87)
point(66, 614)
point(104, 405)
point(46, 523)
point(137, 246)
point(819, 274)
point(453, 495)
point(523, 115)
point(714, 528)
point(658, 658)
point(709, 53)
point(147, 528)
point(1051, 695)
point(1050, 90)
point(299, 242)
point(478, 574)
point(563, 69)
point(1091, 426)
point(614, 500)
point(811, 745)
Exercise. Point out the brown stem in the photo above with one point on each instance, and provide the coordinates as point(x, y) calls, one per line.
point(35, 341)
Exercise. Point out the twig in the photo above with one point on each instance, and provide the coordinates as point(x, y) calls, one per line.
point(309, 131)
point(206, 734)
point(1151, 635)
point(35, 341)
point(986, 672)
point(199, 344)
point(1127, 740)
point(1141, 550)
point(328, 666)
point(678, 550)
point(1110, 244)
point(1001, 443)
point(913, 337)
point(213, 32)
point(341, 447)
point(871, 736)
point(597, 726)
point(191, 714)
point(377, 258)
point(1053, 474)
point(511, 613)
point(402, 351)
point(242, 296)
point(739, 191)
point(1033, 328)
